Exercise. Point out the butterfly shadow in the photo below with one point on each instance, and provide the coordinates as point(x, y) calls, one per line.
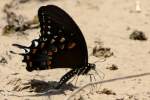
point(43, 88)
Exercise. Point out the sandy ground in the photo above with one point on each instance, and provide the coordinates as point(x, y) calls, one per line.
point(108, 21)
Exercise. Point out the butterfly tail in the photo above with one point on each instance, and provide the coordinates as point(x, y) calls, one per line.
point(19, 46)
point(16, 53)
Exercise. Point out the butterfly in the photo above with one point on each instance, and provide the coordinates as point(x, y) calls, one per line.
point(61, 44)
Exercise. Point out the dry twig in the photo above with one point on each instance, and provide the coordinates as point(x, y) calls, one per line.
point(105, 81)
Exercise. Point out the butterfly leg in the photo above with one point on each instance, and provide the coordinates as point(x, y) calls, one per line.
point(92, 78)
point(74, 78)
point(100, 78)
point(66, 77)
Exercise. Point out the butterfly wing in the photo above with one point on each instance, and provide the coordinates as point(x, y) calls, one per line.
point(57, 25)
point(60, 45)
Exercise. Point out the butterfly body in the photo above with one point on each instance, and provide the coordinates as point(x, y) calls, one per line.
point(61, 45)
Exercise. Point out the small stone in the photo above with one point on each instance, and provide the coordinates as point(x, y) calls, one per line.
point(138, 35)
point(99, 51)
point(107, 92)
point(3, 60)
point(113, 67)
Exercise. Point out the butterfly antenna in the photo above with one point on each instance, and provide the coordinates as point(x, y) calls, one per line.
point(19, 46)
point(100, 71)
point(76, 80)
point(94, 86)
point(101, 78)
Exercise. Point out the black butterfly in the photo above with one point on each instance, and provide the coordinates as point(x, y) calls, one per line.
point(61, 45)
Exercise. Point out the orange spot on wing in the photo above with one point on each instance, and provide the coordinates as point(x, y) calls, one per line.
point(71, 45)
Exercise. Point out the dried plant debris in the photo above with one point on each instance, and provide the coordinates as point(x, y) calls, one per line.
point(100, 51)
point(138, 35)
point(113, 67)
point(17, 84)
point(17, 23)
point(3, 60)
point(30, 85)
point(10, 6)
point(107, 92)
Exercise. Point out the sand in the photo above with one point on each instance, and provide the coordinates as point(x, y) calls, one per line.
point(108, 21)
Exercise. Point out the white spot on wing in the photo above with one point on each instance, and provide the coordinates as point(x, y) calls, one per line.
point(48, 32)
point(44, 39)
point(27, 50)
point(35, 43)
point(49, 27)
